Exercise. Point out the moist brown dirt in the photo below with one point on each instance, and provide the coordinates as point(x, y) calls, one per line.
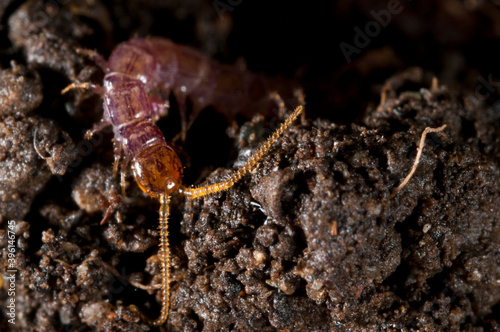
point(314, 239)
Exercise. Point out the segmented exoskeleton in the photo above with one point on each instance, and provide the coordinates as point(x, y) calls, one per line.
point(136, 72)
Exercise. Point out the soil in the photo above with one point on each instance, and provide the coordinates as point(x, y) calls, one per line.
point(316, 239)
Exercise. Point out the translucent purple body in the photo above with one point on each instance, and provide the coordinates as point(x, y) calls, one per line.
point(127, 108)
point(142, 71)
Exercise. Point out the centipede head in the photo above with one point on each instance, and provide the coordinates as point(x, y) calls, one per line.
point(157, 170)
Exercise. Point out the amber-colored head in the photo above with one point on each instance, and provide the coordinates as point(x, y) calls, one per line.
point(157, 170)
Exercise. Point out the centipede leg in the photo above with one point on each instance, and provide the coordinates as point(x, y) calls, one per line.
point(94, 56)
point(114, 201)
point(96, 88)
point(159, 107)
point(118, 150)
point(100, 61)
point(123, 175)
point(183, 111)
point(96, 128)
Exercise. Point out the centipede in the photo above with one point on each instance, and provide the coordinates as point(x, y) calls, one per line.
point(136, 72)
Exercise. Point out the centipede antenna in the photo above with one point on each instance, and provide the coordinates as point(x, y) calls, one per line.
point(164, 259)
point(164, 254)
point(248, 167)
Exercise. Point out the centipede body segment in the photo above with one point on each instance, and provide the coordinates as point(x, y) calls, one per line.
point(135, 73)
